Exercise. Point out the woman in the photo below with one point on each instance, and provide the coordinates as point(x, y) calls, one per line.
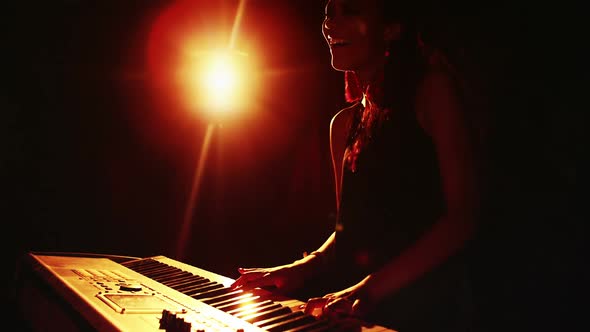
point(407, 183)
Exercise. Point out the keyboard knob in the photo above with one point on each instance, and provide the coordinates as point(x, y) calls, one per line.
point(130, 287)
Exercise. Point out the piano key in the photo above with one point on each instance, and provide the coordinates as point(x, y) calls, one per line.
point(277, 319)
point(183, 280)
point(195, 286)
point(268, 305)
point(159, 270)
point(174, 276)
point(155, 269)
point(315, 326)
point(250, 307)
point(143, 266)
point(264, 314)
point(198, 291)
point(226, 303)
point(291, 324)
point(257, 310)
point(181, 284)
point(218, 295)
point(210, 291)
point(163, 272)
point(238, 302)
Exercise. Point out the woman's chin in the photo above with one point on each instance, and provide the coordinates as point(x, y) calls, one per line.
point(341, 66)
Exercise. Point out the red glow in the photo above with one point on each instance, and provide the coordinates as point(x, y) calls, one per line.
point(181, 34)
point(271, 36)
point(219, 82)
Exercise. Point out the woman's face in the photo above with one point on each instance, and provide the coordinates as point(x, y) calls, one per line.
point(355, 32)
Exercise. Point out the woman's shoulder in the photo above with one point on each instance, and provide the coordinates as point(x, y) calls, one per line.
point(438, 93)
point(345, 114)
point(438, 76)
point(340, 124)
point(348, 109)
point(437, 70)
point(448, 96)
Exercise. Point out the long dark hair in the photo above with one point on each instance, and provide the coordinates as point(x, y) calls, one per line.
point(427, 40)
point(404, 60)
point(424, 43)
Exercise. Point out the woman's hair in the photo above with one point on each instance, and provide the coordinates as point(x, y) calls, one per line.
point(425, 41)
point(404, 59)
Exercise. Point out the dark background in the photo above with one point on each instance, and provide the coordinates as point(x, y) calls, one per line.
point(102, 160)
point(97, 158)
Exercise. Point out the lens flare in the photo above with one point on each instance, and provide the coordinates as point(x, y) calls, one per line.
point(220, 82)
point(220, 79)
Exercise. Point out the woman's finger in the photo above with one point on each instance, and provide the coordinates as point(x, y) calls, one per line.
point(249, 269)
point(315, 306)
point(261, 280)
point(246, 278)
point(340, 306)
point(358, 308)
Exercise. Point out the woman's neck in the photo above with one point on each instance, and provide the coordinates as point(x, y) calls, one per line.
point(368, 77)
point(371, 82)
point(360, 82)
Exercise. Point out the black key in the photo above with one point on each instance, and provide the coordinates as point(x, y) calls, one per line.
point(315, 326)
point(220, 295)
point(195, 287)
point(265, 314)
point(258, 308)
point(195, 280)
point(238, 302)
point(282, 318)
point(213, 292)
point(161, 271)
point(291, 324)
point(174, 276)
point(201, 290)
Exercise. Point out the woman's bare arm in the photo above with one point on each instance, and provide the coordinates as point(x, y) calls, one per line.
point(443, 118)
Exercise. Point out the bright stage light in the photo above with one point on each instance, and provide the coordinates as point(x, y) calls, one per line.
point(221, 82)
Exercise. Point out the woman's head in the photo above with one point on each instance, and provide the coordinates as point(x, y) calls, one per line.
point(359, 32)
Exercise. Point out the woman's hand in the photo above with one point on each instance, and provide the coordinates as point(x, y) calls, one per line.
point(352, 302)
point(286, 278)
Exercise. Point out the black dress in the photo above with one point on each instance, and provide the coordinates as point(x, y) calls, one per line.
point(391, 194)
